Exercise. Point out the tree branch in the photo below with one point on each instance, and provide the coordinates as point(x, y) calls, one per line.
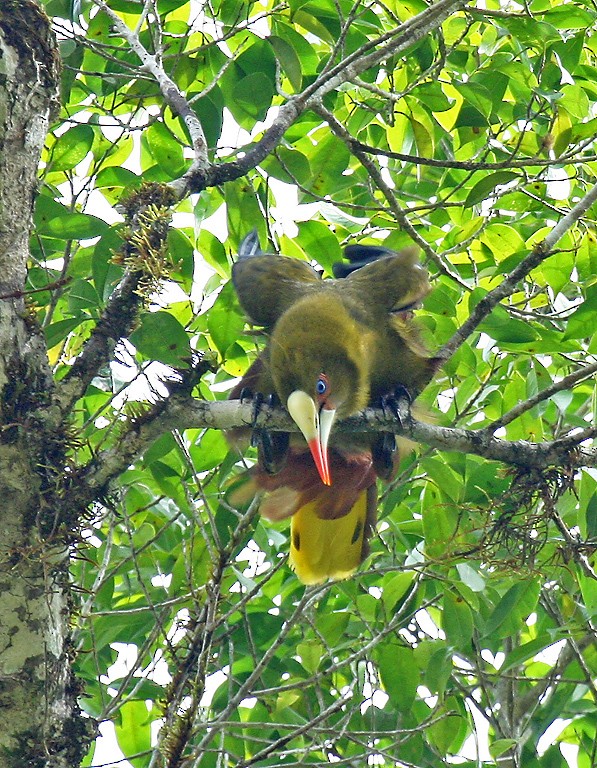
point(376, 176)
point(508, 286)
point(144, 256)
point(202, 173)
point(558, 386)
point(170, 91)
point(182, 412)
point(474, 165)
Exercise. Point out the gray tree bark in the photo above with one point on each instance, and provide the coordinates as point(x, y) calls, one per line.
point(41, 725)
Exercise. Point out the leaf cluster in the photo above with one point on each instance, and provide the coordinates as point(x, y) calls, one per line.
point(480, 594)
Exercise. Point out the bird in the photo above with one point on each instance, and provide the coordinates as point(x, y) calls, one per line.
point(334, 347)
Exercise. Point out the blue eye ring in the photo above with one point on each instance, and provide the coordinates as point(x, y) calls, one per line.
point(321, 387)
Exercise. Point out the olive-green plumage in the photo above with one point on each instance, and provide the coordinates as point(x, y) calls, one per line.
point(335, 346)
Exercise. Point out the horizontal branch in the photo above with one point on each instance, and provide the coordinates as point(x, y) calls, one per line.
point(181, 412)
point(475, 165)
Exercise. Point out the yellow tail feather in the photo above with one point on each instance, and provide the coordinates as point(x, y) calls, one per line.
point(327, 549)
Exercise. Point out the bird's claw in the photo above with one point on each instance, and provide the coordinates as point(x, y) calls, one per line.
point(390, 403)
point(259, 400)
point(272, 446)
point(384, 448)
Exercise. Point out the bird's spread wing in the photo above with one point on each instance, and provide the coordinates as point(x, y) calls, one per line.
point(267, 284)
point(358, 256)
point(393, 283)
point(386, 291)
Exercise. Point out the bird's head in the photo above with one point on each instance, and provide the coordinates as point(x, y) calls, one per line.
point(319, 368)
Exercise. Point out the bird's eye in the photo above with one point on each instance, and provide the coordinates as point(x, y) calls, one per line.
point(322, 385)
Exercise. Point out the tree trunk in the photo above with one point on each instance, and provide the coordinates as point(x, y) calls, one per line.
point(40, 722)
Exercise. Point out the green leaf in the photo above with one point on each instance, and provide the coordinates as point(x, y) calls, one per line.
point(457, 621)
point(181, 254)
point(209, 450)
point(224, 320)
point(448, 481)
point(440, 523)
point(310, 654)
point(533, 33)
point(249, 85)
point(289, 60)
point(320, 244)
point(501, 326)
point(433, 96)
point(242, 207)
point(133, 731)
point(395, 587)
point(485, 186)
point(447, 728)
point(81, 296)
point(501, 746)
point(72, 147)
point(252, 97)
point(328, 160)
point(476, 96)
point(58, 331)
point(76, 226)
point(471, 577)
point(165, 150)
point(503, 240)
point(115, 177)
point(579, 324)
point(527, 651)
point(332, 627)
point(161, 337)
point(570, 17)
point(160, 448)
point(210, 111)
point(516, 604)
point(588, 587)
point(439, 666)
point(288, 165)
point(591, 518)
point(399, 674)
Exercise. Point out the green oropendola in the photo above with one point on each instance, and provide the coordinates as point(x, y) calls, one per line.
point(334, 347)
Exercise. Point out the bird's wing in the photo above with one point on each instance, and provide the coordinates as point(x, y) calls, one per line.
point(358, 256)
point(267, 284)
point(392, 283)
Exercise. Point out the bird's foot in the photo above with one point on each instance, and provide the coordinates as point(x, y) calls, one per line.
point(245, 395)
point(259, 400)
point(384, 448)
point(272, 447)
point(391, 403)
point(384, 454)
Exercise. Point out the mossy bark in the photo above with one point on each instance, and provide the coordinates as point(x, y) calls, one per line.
point(41, 725)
